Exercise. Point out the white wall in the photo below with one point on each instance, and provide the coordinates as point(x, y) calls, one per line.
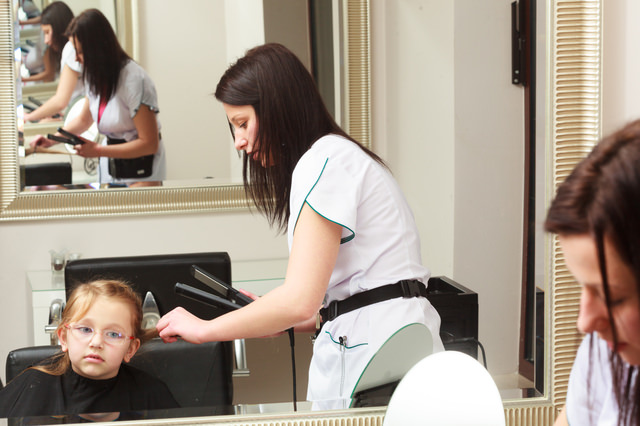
point(184, 51)
point(435, 137)
point(443, 106)
point(621, 64)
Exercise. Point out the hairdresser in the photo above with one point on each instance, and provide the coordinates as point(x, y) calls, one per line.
point(54, 20)
point(353, 241)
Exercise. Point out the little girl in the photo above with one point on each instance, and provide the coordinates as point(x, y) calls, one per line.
point(99, 333)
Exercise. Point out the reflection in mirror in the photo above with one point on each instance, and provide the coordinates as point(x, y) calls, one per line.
point(575, 75)
point(44, 22)
point(194, 128)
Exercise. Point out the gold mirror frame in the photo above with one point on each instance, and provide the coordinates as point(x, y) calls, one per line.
point(573, 117)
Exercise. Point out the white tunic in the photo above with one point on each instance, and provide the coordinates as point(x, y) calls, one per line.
point(590, 397)
point(135, 88)
point(69, 59)
point(380, 245)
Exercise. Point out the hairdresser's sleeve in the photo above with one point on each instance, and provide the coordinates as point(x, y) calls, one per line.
point(139, 89)
point(328, 181)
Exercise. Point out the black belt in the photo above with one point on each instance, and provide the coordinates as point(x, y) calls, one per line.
point(404, 288)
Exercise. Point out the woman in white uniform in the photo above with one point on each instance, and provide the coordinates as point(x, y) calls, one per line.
point(595, 214)
point(121, 99)
point(351, 233)
point(55, 19)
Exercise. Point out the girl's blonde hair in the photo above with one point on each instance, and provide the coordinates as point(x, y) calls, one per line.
point(79, 303)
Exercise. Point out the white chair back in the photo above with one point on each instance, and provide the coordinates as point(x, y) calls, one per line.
point(446, 388)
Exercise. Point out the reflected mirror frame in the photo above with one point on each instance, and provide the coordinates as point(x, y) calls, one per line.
point(573, 114)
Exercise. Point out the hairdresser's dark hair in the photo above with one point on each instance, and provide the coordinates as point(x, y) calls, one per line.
point(58, 15)
point(79, 303)
point(103, 56)
point(601, 198)
point(291, 117)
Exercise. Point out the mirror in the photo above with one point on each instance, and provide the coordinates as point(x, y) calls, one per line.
point(195, 133)
point(573, 117)
point(186, 195)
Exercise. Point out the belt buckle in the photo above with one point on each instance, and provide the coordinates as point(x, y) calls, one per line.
point(410, 288)
point(332, 310)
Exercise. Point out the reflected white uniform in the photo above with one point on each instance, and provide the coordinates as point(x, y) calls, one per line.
point(135, 88)
point(590, 397)
point(68, 58)
point(380, 245)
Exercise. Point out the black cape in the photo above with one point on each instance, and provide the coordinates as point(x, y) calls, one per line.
point(34, 393)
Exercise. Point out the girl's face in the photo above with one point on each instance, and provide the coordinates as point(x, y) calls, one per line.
point(47, 31)
point(581, 259)
point(244, 123)
point(91, 355)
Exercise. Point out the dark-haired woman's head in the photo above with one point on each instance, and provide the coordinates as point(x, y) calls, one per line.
point(600, 202)
point(596, 214)
point(99, 51)
point(289, 116)
point(55, 20)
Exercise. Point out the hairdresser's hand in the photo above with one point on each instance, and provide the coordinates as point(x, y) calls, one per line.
point(40, 141)
point(180, 323)
point(88, 149)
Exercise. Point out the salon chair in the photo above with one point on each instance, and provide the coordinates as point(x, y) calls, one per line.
point(158, 275)
point(197, 375)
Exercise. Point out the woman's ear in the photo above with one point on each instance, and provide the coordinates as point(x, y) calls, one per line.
point(134, 345)
point(62, 337)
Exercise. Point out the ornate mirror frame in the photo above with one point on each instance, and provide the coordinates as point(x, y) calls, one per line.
point(573, 117)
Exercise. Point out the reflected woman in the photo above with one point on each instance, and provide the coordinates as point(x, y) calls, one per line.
point(55, 19)
point(121, 100)
point(596, 216)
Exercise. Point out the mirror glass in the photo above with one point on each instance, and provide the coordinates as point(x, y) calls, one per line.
point(25, 206)
point(194, 130)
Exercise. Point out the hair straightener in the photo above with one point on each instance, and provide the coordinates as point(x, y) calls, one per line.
point(67, 137)
point(231, 299)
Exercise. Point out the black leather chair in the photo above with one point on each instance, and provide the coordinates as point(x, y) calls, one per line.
point(157, 274)
point(197, 375)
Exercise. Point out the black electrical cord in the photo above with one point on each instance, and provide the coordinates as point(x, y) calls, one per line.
point(293, 367)
point(450, 338)
point(217, 301)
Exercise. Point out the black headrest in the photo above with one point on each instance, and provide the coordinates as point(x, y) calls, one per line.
point(21, 359)
point(155, 273)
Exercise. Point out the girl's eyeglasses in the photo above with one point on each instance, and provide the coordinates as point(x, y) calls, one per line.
point(85, 333)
